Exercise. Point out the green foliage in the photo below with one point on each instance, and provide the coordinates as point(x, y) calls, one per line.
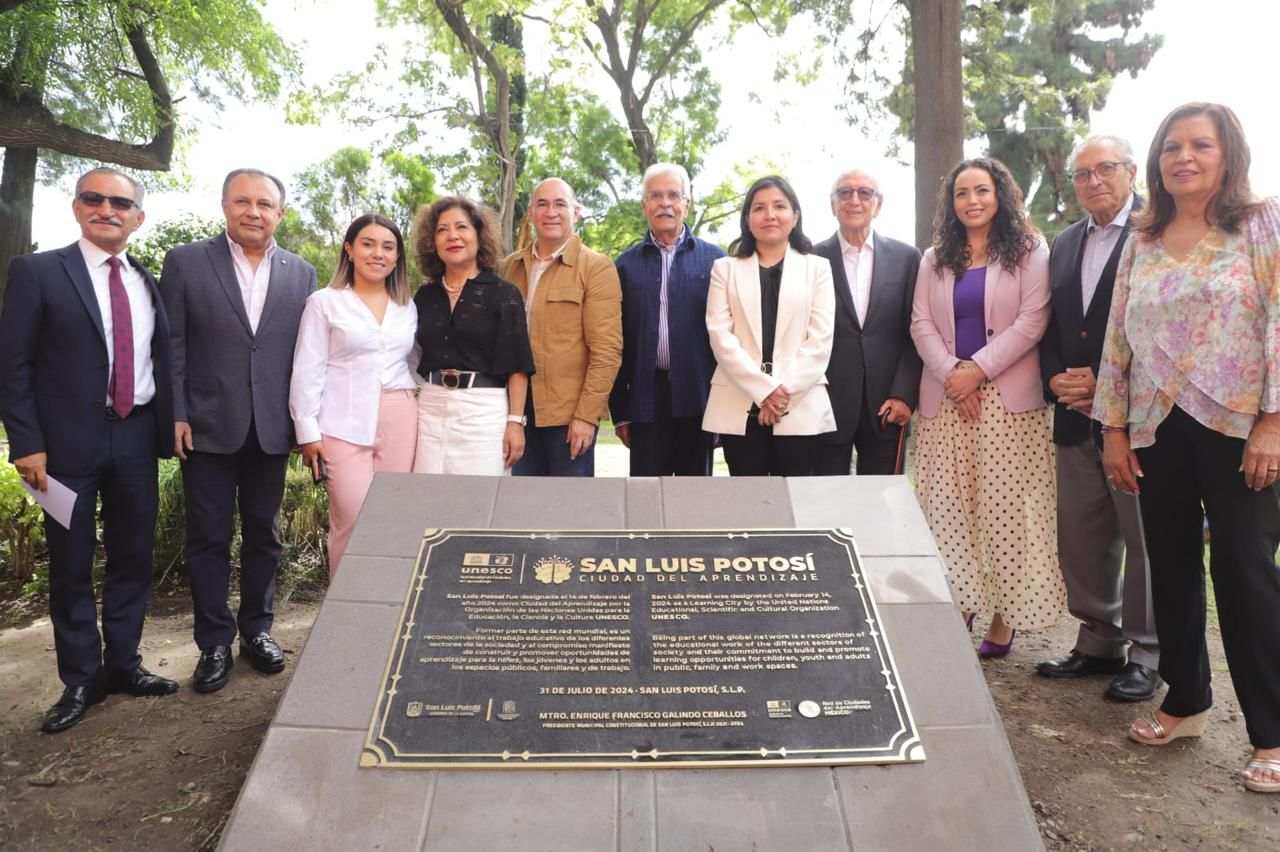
point(346, 185)
point(79, 59)
point(150, 249)
point(21, 526)
point(1035, 71)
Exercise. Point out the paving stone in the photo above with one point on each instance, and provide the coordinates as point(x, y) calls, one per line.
point(881, 510)
point(787, 810)
point(306, 792)
point(401, 505)
point(336, 683)
point(966, 795)
point(371, 579)
point(940, 672)
point(690, 502)
point(526, 810)
point(565, 503)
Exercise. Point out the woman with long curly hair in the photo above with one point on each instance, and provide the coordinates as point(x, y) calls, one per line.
point(474, 340)
point(984, 460)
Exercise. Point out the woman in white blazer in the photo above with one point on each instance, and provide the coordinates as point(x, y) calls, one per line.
point(770, 317)
point(352, 393)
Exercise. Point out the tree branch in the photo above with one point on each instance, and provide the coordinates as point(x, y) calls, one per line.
point(681, 42)
point(32, 125)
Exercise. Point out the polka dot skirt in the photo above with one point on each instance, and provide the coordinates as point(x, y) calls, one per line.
point(988, 490)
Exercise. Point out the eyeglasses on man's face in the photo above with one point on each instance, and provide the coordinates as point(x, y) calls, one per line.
point(864, 193)
point(1105, 169)
point(118, 202)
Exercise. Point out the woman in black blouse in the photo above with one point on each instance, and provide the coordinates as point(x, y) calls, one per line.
point(476, 360)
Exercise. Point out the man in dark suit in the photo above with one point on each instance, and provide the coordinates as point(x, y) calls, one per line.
point(874, 374)
point(235, 302)
point(1097, 525)
point(661, 390)
point(86, 399)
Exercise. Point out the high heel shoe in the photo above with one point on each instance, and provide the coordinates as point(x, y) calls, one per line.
point(988, 649)
point(1188, 726)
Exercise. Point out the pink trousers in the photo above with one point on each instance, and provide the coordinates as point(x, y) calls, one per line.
point(352, 466)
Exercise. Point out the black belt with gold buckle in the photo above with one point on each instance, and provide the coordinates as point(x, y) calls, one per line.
point(463, 379)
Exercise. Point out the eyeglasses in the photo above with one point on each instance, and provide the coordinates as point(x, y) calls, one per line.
point(864, 193)
point(659, 197)
point(1103, 170)
point(95, 199)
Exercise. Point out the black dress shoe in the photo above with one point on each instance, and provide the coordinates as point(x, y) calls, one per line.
point(1076, 664)
point(1135, 682)
point(71, 707)
point(139, 682)
point(263, 653)
point(213, 669)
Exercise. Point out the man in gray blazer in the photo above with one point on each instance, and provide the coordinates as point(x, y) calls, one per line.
point(234, 304)
point(1099, 528)
point(874, 374)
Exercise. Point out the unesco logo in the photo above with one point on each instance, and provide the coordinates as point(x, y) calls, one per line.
point(553, 570)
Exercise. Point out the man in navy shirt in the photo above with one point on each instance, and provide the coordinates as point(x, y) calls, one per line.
point(661, 390)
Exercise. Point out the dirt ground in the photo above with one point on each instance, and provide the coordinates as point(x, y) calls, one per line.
point(163, 773)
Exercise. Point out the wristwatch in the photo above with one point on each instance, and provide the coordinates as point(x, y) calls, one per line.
point(518, 418)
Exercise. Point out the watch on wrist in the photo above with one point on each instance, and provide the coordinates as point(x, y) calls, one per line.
point(518, 418)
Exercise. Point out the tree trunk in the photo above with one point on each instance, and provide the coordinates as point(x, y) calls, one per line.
point(17, 193)
point(509, 30)
point(939, 112)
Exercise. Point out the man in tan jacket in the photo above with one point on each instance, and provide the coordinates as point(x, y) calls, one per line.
point(574, 303)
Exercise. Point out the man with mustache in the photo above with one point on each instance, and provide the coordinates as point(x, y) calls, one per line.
point(661, 391)
point(236, 302)
point(86, 399)
point(573, 303)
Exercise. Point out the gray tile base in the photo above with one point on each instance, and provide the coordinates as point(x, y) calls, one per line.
point(305, 789)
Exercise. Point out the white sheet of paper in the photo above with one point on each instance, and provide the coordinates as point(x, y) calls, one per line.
point(58, 501)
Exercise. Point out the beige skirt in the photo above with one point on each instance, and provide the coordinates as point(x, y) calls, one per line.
point(988, 490)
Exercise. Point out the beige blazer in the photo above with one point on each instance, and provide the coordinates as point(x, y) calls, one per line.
point(801, 349)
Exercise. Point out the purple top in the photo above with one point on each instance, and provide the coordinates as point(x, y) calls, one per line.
point(971, 318)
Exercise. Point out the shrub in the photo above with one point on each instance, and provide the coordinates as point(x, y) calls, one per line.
point(21, 525)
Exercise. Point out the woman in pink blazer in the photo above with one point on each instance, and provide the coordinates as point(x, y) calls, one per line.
point(984, 459)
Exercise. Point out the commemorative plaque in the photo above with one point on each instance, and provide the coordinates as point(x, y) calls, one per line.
point(639, 650)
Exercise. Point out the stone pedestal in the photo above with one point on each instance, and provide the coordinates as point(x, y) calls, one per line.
point(306, 790)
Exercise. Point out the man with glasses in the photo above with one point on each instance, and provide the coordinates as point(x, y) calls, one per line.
point(236, 301)
point(86, 400)
point(873, 377)
point(574, 305)
point(661, 391)
point(1099, 528)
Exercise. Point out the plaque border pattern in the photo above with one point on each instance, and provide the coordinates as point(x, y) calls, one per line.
point(904, 746)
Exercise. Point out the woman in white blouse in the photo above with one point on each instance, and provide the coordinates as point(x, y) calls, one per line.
point(352, 394)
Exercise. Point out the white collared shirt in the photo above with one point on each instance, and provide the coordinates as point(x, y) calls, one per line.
point(667, 254)
point(141, 310)
point(343, 361)
point(857, 269)
point(540, 265)
point(253, 282)
point(1098, 245)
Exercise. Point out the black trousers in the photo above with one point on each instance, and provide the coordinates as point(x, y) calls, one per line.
point(124, 475)
point(877, 449)
point(215, 485)
point(1190, 471)
point(761, 453)
point(669, 446)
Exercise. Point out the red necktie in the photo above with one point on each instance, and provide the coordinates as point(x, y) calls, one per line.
point(120, 388)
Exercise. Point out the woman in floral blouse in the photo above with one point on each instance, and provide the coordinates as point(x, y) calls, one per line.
point(1189, 400)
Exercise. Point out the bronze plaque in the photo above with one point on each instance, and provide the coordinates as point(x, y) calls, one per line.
point(639, 649)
